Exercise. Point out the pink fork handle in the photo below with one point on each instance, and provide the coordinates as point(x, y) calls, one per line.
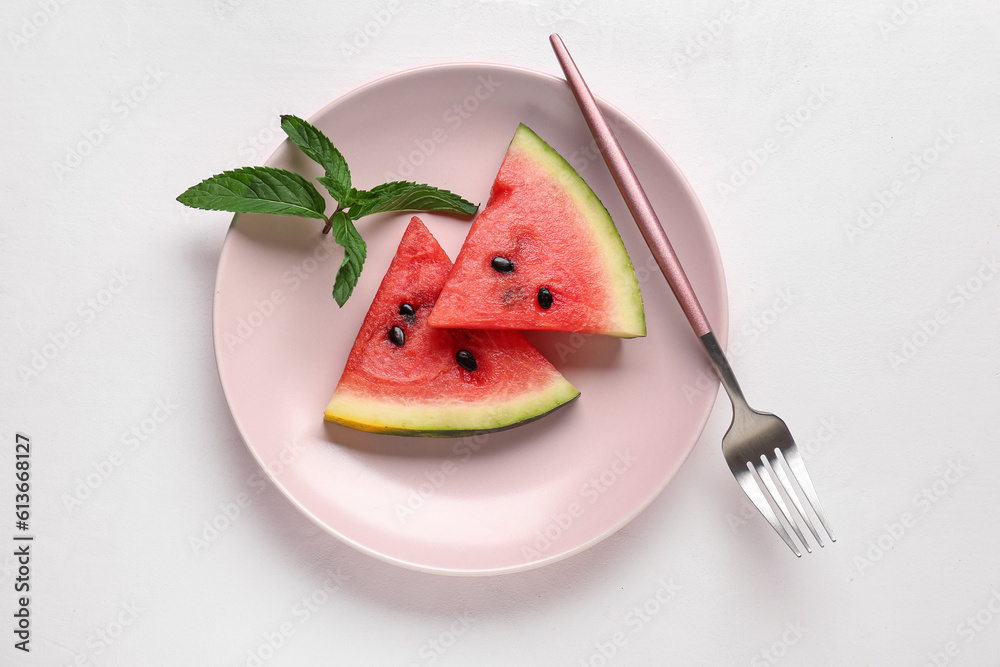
point(633, 193)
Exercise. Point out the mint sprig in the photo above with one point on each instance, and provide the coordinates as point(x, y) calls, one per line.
point(280, 192)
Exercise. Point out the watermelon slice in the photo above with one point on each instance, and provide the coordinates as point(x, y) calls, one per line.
point(543, 254)
point(404, 377)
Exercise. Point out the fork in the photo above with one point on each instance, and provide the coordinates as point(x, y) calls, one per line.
point(757, 446)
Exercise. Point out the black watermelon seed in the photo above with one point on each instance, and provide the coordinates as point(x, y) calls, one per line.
point(502, 265)
point(407, 311)
point(397, 336)
point(544, 298)
point(466, 360)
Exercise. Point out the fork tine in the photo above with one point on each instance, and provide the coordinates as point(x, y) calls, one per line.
point(762, 472)
point(750, 487)
point(779, 471)
point(794, 460)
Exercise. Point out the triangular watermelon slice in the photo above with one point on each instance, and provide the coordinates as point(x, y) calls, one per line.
point(404, 377)
point(543, 255)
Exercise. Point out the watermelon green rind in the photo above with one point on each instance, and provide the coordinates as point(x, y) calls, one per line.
point(545, 220)
point(444, 419)
point(631, 318)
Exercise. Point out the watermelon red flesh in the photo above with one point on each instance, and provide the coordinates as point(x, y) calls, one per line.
point(546, 220)
point(419, 388)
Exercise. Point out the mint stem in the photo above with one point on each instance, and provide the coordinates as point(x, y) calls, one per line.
point(329, 221)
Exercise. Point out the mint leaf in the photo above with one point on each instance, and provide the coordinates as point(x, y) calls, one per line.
point(319, 148)
point(355, 252)
point(257, 190)
point(336, 188)
point(406, 196)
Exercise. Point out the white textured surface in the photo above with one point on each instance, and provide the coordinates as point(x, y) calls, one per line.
point(884, 402)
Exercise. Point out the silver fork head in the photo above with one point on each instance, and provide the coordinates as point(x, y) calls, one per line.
point(759, 448)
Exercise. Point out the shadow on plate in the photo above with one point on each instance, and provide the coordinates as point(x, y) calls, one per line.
point(576, 350)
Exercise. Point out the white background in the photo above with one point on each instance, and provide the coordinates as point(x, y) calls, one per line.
point(884, 369)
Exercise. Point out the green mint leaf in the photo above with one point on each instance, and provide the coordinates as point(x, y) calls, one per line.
point(344, 196)
point(406, 196)
point(257, 190)
point(355, 252)
point(319, 148)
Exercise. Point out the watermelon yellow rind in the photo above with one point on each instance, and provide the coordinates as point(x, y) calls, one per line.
point(538, 194)
point(444, 418)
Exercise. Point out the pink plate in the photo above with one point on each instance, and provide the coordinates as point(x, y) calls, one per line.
point(494, 503)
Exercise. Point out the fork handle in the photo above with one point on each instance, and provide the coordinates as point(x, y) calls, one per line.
point(725, 373)
point(635, 196)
